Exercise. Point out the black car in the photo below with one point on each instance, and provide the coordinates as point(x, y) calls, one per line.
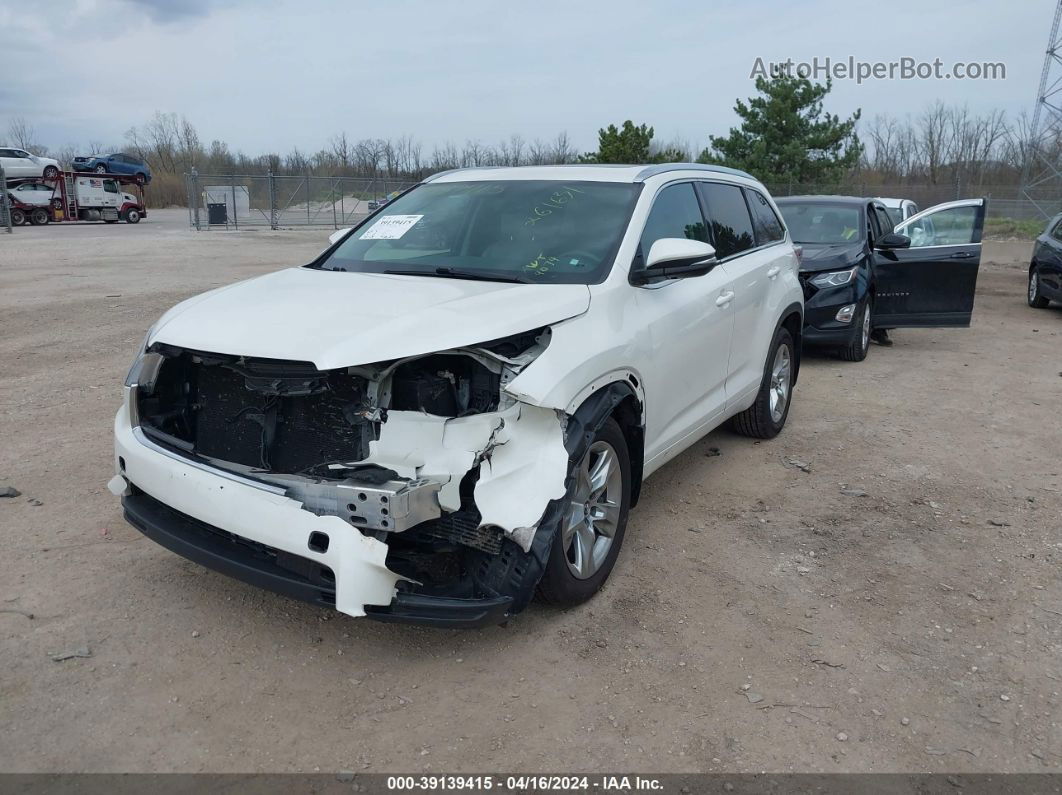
point(1045, 271)
point(859, 275)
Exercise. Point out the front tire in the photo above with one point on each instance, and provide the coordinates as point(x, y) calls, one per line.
point(1035, 297)
point(765, 418)
point(856, 350)
point(100, 169)
point(591, 533)
point(50, 172)
point(131, 216)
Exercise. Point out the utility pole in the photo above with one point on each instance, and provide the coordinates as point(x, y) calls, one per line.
point(1041, 178)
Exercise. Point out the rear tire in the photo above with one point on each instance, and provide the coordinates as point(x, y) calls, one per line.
point(765, 418)
point(18, 217)
point(1034, 296)
point(856, 350)
point(590, 535)
point(39, 217)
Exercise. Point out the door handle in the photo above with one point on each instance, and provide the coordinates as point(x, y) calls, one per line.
point(773, 272)
point(725, 298)
point(963, 255)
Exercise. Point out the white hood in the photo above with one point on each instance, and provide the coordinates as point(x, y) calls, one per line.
point(340, 319)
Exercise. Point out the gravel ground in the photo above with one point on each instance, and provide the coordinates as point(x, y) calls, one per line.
point(762, 616)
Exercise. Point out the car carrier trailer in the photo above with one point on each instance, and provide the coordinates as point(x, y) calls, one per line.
point(79, 196)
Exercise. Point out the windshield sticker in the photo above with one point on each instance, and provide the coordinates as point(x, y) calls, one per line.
point(390, 227)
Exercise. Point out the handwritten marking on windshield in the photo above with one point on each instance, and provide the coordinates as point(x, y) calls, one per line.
point(556, 201)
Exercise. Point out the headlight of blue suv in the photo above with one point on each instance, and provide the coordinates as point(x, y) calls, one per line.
point(835, 278)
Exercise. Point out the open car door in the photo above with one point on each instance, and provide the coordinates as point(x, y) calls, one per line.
point(931, 283)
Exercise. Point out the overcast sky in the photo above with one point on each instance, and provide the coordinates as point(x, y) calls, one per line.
point(272, 74)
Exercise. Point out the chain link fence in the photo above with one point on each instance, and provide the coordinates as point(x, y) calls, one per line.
point(1003, 201)
point(281, 201)
point(276, 201)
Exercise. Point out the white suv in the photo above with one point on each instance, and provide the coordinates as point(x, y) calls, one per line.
point(455, 405)
point(19, 163)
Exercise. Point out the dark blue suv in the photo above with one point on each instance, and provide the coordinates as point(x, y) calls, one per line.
point(1045, 271)
point(117, 163)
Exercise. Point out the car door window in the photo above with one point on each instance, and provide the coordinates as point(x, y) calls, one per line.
point(885, 222)
point(729, 218)
point(110, 186)
point(1056, 233)
point(952, 226)
point(765, 223)
point(675, 213)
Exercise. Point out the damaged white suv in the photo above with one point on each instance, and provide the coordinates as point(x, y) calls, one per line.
point(455, 405)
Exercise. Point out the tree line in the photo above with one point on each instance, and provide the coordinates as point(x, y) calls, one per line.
point(784, 136)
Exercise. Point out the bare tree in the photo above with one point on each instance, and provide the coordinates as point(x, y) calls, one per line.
point(23, 135)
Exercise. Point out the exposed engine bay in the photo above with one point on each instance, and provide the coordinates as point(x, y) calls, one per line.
point(429, 455)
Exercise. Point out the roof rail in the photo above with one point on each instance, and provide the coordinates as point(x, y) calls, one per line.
point(663, 168)
point(436, 175)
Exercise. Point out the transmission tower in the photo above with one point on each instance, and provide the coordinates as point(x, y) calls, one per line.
point(1041, 179)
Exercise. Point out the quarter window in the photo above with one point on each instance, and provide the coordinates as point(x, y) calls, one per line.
point(676, 213)
point(729, 218)
point(765, 223)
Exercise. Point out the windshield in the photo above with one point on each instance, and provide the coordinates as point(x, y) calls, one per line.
point(823, 224)
point(523, 230)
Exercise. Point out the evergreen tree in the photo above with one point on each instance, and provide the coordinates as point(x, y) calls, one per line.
point(786, 137)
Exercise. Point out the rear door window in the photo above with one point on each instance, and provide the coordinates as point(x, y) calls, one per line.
point(765, 223)
point(729, 219)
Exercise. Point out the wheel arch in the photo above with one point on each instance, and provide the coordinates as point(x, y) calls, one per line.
point(792, 319)
point(619, 400)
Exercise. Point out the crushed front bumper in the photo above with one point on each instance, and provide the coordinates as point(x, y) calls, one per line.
point(293, 575)
point(255, 533)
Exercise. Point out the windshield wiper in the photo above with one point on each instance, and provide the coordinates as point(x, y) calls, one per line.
point(453, 273)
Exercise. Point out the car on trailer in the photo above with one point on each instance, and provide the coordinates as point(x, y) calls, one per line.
point(19, 163)
point(118, 163)
point(30, 202)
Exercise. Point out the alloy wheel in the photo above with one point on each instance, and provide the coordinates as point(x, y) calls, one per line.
point(781, 378)
point(594, 511)
point(1034, 286)
point(866, 328)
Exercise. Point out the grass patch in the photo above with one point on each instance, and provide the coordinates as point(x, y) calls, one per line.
point(1010, 228)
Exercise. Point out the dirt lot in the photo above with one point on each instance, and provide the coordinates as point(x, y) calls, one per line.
point(916, 628)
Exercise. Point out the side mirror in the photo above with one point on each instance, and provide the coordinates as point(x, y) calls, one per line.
point(675, 258)
point(893, 240)
point(339, 233)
